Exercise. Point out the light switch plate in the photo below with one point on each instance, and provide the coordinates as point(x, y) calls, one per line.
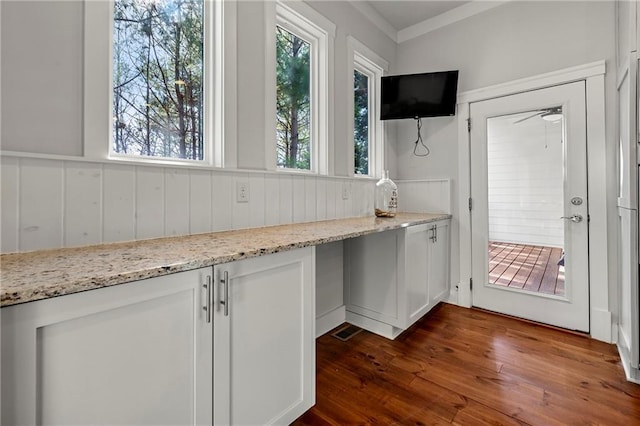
point(242, 192)
point(346, 190)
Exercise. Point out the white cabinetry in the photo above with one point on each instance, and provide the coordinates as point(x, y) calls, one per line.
point(138, 353)
point(264, 339)
point(393, 278)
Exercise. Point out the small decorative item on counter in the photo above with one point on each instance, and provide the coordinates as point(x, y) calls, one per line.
point(386, 200)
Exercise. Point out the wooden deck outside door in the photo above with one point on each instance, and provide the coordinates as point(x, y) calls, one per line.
point(528, 212)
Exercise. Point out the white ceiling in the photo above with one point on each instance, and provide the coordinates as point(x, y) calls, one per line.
point(405, 13)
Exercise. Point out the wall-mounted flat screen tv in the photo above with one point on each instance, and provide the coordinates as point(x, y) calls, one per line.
point(419, 95)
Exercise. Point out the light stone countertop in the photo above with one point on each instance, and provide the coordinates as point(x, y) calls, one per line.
point(37, 275)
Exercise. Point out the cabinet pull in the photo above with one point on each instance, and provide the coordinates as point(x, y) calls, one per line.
point(435, 233)
point(224, 301)
point(207, 304)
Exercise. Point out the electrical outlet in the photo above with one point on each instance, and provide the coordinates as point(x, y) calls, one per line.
point(242, 192)
point(346, 189)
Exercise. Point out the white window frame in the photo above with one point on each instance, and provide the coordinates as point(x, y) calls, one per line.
point(98, 87)
point(303, 21)
point(367, 62)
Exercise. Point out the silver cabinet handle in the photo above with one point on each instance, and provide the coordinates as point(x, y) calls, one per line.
point(207, 304)
point(434, 235)
point(576, 218)
point(224, 300)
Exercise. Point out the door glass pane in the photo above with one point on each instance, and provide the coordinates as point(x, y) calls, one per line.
point(526, 170)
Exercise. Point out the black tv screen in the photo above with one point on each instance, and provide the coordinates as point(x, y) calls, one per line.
point(419, 95)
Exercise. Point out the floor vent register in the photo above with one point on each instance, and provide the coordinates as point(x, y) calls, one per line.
point(347, 332)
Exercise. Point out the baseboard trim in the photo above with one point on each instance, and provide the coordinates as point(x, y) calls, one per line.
point(330, 320)
point(632, 374)
point(601, 325)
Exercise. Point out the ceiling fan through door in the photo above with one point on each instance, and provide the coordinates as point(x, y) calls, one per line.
point(548, 114)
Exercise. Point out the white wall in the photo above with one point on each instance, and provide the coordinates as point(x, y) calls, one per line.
point(512, 41)
point(525, 180)
point(41, 45)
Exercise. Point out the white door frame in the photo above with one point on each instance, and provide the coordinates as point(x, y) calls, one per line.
point(593, 74)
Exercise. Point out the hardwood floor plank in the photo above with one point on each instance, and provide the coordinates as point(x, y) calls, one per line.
point(467, 366)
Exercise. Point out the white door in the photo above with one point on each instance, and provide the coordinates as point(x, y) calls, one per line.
point(530, 213)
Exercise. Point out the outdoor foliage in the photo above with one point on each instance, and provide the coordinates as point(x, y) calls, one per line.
point(293, 105)
point(157, 78)
point(361, 122)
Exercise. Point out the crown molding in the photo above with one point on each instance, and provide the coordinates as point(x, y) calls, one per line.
point(370, 13)
point(454, 15)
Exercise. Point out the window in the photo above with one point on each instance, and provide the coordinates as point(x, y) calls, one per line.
point(158, 72)
point(293, 101)
point(361, 122)
point(162, 60)
point(367, 132)
point(298, 87)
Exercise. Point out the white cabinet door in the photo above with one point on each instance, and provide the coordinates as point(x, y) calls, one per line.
point(439, 285)
point(417, 252)
point(264, 339)
point(137, 353)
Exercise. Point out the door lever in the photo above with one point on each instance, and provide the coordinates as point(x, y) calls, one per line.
point(576, 218)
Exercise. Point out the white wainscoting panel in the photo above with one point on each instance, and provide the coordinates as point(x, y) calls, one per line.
point(41, 204)
point(51, 203)
point(119, 203)
point(200, 195)
point(257, 200)
point(83, 204)
point(425, 195)
point(150, 214)
point(176, 202)
point(9, 198)
point(298, 199)
point(310, 206)
point(286, 199)
point(271, 200)
point(330, 199)
point(321, 199)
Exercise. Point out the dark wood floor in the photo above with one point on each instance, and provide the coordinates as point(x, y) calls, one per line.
point(469, 367)
point(532, 268)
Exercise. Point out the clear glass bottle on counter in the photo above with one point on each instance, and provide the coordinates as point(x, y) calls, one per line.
point(386, 198)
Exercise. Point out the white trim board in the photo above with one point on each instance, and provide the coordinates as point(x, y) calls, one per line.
point(447, 18)
point(593, 73)
point(566, 75)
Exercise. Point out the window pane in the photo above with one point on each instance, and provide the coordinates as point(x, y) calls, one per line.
point(361, 122)
point(293, 101)
point(157, 78)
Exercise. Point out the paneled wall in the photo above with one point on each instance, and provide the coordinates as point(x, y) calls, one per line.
point(58, 203)
point(526, 178)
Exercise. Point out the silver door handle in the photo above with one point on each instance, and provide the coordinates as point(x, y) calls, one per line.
point(576, 218)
